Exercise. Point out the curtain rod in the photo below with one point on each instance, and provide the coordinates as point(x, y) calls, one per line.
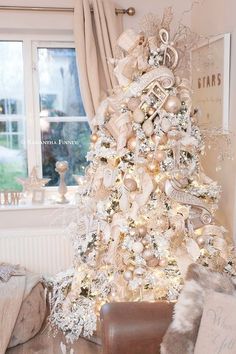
point(130, 11)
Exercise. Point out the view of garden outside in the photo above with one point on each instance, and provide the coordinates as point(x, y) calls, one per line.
point(12, 121)
point(64, 128)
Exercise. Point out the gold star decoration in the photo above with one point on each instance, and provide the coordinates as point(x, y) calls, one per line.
point(33, 181)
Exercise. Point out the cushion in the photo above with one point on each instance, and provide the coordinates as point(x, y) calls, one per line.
point(217, 332)
point(30, 318)
point(182, 333)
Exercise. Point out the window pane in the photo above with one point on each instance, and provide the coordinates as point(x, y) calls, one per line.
point(12, 121)
point(64, 135)
point(65, 141)
point(59, 83)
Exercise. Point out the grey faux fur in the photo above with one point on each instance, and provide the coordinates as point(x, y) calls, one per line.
point(181, 335)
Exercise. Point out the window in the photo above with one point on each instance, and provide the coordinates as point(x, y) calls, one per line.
point(12, 116)
point(42, 119)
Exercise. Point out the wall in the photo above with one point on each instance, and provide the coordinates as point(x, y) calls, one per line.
point(212, 17)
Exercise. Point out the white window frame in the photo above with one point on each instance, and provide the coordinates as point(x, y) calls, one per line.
point(31, 42)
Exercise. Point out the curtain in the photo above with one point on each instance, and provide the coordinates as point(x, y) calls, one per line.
point(95, 40)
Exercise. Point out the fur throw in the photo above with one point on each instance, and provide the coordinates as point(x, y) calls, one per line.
point(181, 335)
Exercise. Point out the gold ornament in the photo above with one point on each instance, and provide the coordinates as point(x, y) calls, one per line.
point(155, 139)
point(131, 184)
point(147, 254)
point(200, 241)
point(172, 104)
point(142, 230)
point(160, 155)
point(138, 115)
point(94, 138)
point(133, 103)
point(153, 166)
point(132, 143)
point(163, 139)
point(153, 262)
point(150, 156)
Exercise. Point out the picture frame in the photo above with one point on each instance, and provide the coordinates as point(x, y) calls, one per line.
point(210, 76)
point(38, 196)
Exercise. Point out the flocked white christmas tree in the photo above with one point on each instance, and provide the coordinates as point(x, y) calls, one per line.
point(145, 209)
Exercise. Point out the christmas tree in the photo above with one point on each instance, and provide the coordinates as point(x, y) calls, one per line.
point(145, 208)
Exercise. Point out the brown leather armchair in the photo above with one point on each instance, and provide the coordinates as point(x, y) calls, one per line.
point(134, 327)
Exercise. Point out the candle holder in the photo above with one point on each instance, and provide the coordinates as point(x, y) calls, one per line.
point(62, 167)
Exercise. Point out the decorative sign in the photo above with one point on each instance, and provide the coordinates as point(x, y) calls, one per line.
point(210, 81)
point(217, 332)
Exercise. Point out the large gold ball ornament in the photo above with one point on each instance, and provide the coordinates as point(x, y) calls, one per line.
point(150, 156)
point(160, 155)
point(172, 104)
point(138, 115)
point(137, 247)
point(201, 241)
point(153, 166)
point(155, 139)
point(153, 262)
point(142, 230)
point(131, 184)
point(133, 103)
point(147, 254)
point(132, 143)
point(94, 138)
point(163, 139)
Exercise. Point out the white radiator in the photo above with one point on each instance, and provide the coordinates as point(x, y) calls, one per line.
point(42, 250)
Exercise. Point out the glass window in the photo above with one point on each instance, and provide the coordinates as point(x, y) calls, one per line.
point(64, 128)
point(13, 161)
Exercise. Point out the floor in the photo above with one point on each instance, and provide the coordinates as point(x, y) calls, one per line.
point(45, 344)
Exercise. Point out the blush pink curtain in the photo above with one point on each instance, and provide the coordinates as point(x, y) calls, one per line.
point(95, 40)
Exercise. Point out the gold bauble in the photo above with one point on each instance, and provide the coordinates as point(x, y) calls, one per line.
point(131, 184)
point(201, 241)
point(94, 138)
point(132, 143)
point(155, 139)
point(160, 155)
point(138, 115)
point(133, 103)
point(151, 111)
point(142, 230)
point(153, 166)
point(147, 254)
point(163, 139)
point(150, 156)
point(153, 262)
point(172, 104)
